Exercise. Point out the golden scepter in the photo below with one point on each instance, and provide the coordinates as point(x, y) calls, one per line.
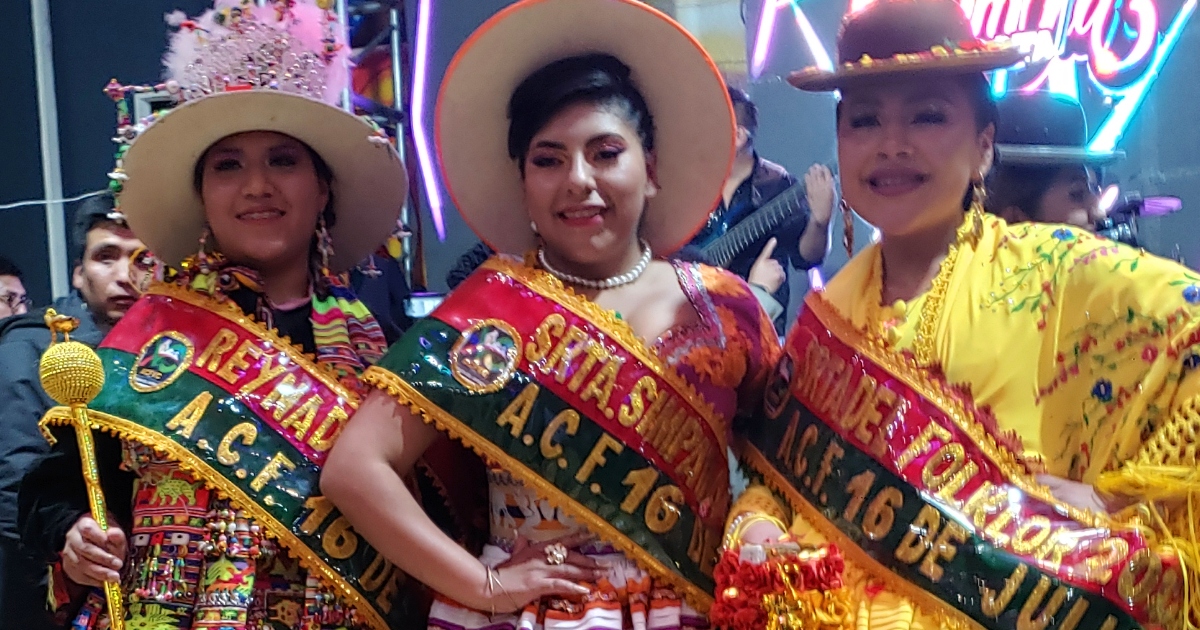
point(72, 374)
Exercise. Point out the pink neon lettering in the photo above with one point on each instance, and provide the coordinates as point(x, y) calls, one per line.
point(1087, 29)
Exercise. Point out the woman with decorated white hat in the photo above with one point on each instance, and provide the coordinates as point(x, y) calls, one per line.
point(229, 381)
point(584, 140)
point(992, 425)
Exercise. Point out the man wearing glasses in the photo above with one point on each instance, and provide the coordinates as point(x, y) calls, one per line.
point(13, 299)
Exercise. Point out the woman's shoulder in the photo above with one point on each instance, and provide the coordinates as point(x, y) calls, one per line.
point(731, 299)
point(721, 283)
point(1085, 271)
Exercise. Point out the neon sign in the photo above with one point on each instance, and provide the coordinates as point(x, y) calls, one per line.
point(1115, 40)
point(766, 32)
point(420, 137)
point(1110, 50)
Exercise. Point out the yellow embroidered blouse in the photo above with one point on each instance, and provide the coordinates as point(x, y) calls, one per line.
point(1088, 350)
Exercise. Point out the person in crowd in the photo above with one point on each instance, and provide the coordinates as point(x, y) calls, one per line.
point(1045, 172)
point(547, 359)
point(795, 234)
point(106, 283)
point(13, 298)
point(381, 284)
point(229, 380)
point(993, 423)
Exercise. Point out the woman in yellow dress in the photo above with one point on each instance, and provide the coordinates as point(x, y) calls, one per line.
point(994, 424)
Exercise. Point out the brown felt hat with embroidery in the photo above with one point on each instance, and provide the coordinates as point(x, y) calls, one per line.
point(906, 37)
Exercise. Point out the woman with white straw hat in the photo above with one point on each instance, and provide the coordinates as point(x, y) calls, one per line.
point(229, 381)
point(598, 380)
point(994, 424)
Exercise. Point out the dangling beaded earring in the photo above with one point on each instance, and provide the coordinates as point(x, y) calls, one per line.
point(324, 244)
point(203, 260)
point(978, 197)
point(847, 228)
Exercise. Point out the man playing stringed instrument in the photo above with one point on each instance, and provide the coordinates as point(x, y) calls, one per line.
point(800, 237)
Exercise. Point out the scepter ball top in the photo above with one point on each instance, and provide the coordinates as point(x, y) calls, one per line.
point(71, 373)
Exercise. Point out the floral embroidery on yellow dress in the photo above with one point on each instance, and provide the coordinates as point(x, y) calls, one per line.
point(1086, 349)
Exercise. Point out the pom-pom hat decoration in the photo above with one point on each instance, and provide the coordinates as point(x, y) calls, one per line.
point(892, 38)
point(239, 68)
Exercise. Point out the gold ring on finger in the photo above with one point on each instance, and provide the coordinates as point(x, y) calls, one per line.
point(556, 554)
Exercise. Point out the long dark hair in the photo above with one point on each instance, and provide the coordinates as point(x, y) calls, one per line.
point(1022, 187)
point(599, 79)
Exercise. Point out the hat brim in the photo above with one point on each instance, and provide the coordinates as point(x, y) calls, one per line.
point(164, 210)
point(1052, 155)
point(693, 118)
point(814, 79)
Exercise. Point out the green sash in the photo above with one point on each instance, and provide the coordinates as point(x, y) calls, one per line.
point(249, 415)
point(561, 394)
point(920, 490)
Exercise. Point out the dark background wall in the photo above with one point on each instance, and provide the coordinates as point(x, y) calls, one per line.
point(22, 230)
point(95, 41)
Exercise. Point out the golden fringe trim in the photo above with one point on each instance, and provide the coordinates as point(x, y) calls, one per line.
point(619, 330)
point(810, 610)
point(1176, 531)
point(430, 413)
point(1177, 441)
point(1148, 482)
point(936, 392)
point(1164, 471)
point(949, 618)
point(968, 234)
point(126, 430)
point(234, 314)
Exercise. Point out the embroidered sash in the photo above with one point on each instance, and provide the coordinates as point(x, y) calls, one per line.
point(250, 416)
point(561, 394)
point(919, 489)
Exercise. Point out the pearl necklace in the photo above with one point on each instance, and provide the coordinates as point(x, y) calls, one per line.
point(606, 283)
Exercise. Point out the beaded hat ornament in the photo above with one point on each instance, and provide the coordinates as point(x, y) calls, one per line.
point(237, 68)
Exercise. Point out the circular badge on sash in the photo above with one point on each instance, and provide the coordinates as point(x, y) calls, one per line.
point(162, 360)
point(778, 387)
point(484, 359)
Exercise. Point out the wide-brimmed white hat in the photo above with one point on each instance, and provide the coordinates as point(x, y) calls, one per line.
point(241, 68)
point(693, 119)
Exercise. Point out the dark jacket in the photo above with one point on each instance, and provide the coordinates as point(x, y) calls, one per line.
point(23, 339)
point(23, 402)
point(381, 286)
point(767, 181)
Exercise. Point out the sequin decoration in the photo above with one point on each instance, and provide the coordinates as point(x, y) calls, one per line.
point(1192, 294)
point(290, 47)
